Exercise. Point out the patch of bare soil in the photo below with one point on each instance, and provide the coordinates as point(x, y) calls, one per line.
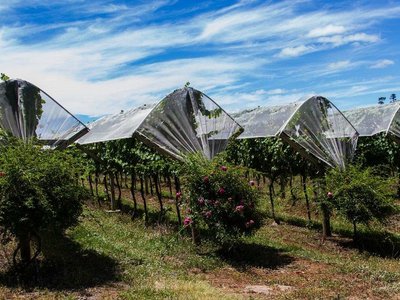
point(300, 278)
point(295, 281)
point(107, 292)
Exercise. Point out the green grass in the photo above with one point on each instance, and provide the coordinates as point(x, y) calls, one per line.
point(109, 256)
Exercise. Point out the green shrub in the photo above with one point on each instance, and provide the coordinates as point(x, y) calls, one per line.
point(38, 192)
point(219, 198)
point(360, 195)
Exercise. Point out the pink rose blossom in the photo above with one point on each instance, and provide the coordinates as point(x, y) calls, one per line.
point(330, 195)
point(224, 168)
point(178, 194)
point(239, 208)
point(188, 221)
point(206, 179)
point(252, 183)
point(208, 214)
point(221, 191)
point(201, 201)
point(249, 224)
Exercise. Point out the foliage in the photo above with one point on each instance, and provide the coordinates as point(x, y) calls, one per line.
point(4, 77)
point(270, 156)
point(360, 195)
point(219, 197)
point(128, 156)
point(38, 190)
point(379, 152)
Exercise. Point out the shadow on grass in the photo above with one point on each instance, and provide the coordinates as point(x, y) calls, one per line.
point(377, 243)
point(64, 266)
point(383, 244)
point(154, 216)
point(300, 222)
point(247, 255)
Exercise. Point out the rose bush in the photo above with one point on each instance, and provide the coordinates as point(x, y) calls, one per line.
point(219, 199)
point(38, 193)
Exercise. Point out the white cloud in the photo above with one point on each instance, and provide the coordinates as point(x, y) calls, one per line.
point(326, 31)
point(295, 51)
point(276, 92)
point(147, 84)
point(98, 66)
point(339, 40)
point(339, 65)
point(239, 100)
point(381, 64)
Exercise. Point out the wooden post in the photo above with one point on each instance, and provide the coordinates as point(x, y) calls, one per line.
point(112, 184)
point(96, 186)
point(106, 190)
point(119, 182)
point(271, 198)
point(294, 198)
point(146, 217)
point(159, 196)
point(178, 189)
point(304, 184)
point(151, 186)
point(326, 225)
point(169, 185)
point(133, 179)
point(91, 184)
point(282, 183)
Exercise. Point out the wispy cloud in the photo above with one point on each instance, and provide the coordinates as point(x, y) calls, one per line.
point(339, 40)
point(339, 65)
point(295, 51)
point(105, 56)
point(383, 63)
point(326, 31)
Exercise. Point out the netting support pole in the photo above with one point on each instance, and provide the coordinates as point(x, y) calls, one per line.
point(177, 200)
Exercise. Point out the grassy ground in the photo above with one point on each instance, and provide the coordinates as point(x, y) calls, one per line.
point(109, 256)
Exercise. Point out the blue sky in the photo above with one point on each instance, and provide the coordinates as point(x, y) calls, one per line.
point(98, 57)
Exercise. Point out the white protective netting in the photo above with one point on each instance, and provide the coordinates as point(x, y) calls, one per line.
point(116, 127)
point(264, 121)
point(27, 112)
point(185, 121)
point(376, 119)
point(315, 127)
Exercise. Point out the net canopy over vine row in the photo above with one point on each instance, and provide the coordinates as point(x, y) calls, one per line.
point(313, 126)
point(27, 112)
point(372, 120)
point(185, 121)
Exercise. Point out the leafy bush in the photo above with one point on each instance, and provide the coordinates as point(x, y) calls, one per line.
point(220, 198)
point(360, 195)
point(378, 152)
point(38, 192)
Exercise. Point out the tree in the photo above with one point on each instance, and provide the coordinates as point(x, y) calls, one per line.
point(38, 193)
point(360, 195)
point(381, 100)
point(393, 98)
